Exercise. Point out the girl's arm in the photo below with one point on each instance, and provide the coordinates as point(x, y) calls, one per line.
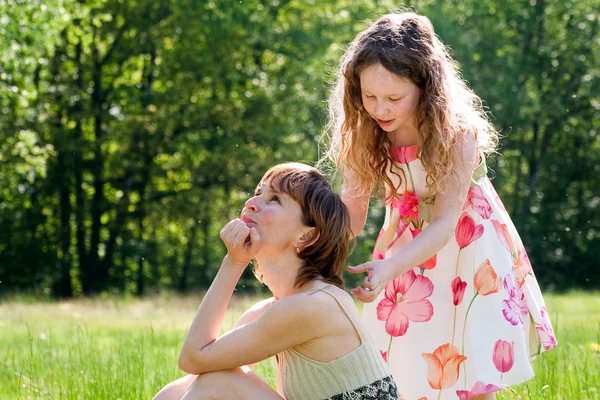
point(447, 210)
point(357, 202)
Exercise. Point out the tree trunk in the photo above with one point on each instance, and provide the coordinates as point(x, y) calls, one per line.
point(63, 286)
point(95, 275)
point(187, 258)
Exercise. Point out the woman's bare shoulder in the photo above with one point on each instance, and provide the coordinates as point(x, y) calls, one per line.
point(255, 311)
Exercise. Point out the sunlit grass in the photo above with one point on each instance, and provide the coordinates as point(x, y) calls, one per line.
point(127, 348)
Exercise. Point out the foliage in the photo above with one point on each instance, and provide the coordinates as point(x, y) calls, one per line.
point(132, 130)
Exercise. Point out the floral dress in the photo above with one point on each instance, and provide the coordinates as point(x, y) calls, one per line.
point(468, 320)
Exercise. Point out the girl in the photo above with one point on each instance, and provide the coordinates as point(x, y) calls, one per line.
point(452, 300)
point(298, 230)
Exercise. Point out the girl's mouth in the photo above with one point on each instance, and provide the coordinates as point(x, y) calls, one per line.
point(383, 122)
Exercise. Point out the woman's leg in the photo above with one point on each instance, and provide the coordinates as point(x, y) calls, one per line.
point(239, 383)
point(176, 389)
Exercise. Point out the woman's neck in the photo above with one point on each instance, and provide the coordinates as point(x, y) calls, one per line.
point(279, 274)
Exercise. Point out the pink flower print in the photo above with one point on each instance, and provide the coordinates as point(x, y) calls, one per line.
point(515, 307)
point(478, 389)
point(496, 197)
point(458, 290)
point(404, 154)
point(522, 265)
point(404, 301)
point(545, 331)
point(429, 264)
point(503, 234)
point(504, 355)
point(476, 199)
point(467, 231)
point(407, 204)
point(384, 355)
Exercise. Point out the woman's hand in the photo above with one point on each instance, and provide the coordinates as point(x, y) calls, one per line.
point(379, 273)
point(242, 242)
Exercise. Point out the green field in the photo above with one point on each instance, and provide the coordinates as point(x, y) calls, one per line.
point(127, 348)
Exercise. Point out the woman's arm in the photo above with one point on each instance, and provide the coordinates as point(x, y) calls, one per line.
point(208, 320)
point(447, 210)
point(252, 314)
point(287, 323)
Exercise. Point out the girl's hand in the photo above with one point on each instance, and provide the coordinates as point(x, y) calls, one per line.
point(378, 275)
point(242, 242)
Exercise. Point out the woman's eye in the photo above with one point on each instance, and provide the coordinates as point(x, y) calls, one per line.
point(396, 99)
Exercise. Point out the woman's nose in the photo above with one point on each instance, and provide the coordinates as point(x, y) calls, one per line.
point(251, 204)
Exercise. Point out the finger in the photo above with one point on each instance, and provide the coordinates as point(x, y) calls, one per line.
point(359, 268)
point(365, 296)
point(227, 229)
point(368, 283)
point(254, 238)
point(232, 231)
point(239, 233)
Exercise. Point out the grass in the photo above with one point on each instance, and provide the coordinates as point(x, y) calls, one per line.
point(127, 348)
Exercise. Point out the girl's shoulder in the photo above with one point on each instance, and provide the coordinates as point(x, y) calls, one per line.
point(466, 148)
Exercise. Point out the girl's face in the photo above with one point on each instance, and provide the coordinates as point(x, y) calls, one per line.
point(276, 216)
point(390, 100)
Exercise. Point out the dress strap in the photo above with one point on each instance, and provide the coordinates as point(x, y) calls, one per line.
point(311, 291)
point(480, 169)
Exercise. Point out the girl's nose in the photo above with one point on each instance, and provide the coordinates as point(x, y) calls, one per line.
point(380, 109)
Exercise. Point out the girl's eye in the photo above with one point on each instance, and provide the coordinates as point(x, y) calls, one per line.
point(275, 198)
point(396, 99)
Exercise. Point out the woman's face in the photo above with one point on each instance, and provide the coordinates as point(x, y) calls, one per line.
point(390, 100)
point(276, 216)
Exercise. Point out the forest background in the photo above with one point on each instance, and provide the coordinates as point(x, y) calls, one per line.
point(131, 131)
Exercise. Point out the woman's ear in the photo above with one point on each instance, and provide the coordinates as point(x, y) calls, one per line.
point(308, 238)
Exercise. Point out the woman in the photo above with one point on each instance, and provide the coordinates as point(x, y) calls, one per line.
point(298, 230)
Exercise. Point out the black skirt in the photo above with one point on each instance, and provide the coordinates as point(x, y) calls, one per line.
point(382, 389)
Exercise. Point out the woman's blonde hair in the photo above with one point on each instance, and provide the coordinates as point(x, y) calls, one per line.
point(406, 45)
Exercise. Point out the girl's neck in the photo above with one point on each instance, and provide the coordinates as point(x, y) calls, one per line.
point(404, 137)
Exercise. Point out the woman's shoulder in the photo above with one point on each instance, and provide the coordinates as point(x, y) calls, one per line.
point(255, 311)
point(331, 302)
point(317, 301)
